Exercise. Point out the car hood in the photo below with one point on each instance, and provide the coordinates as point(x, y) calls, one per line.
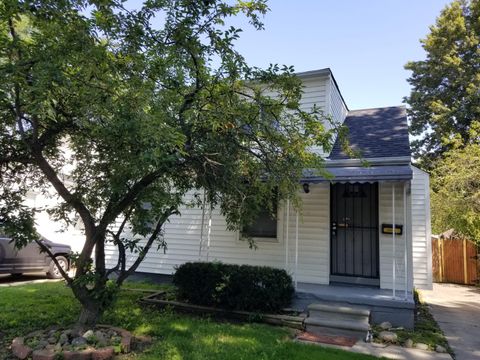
point(57, 246)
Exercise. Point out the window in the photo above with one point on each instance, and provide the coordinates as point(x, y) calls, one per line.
point(265, 225)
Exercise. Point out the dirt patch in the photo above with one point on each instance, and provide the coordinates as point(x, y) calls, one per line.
point(327, 339)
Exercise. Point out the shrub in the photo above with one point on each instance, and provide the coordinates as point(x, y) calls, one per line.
point(238, 287)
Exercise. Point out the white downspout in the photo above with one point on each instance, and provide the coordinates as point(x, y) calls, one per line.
point(209, 230)
point(405, 237)
point(287, 234)
point(394, 263)
point(202, 228)
point(296, 249)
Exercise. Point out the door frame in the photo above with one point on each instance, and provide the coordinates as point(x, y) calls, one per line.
point(353, 279)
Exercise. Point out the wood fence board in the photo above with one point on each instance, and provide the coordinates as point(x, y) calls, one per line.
point(455, 261)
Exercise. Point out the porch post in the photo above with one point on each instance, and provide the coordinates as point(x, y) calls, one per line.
point(394, 262)
point(296, 249)
point(405, 237)
point(287, 234)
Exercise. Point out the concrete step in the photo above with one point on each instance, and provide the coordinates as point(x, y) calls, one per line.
point(338, 319)
point(339, 308)
point(339, 324)
point(356, 329)
point(338, 312)
point(338, 316)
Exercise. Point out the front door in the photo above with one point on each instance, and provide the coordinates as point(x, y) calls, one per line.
point(354, 233)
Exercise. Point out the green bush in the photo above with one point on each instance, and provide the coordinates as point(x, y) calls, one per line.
point(237, 287)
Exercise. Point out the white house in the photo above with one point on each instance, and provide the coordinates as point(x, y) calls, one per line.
point(362, 237)
point(368, 226)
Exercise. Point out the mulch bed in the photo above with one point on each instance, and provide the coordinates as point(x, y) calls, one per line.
point(327, 339)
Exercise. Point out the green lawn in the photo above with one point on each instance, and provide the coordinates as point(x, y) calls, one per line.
point(177, 337)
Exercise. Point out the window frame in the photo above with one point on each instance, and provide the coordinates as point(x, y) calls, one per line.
point(267, 240)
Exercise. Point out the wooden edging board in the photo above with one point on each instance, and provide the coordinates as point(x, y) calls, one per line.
point(295, 322)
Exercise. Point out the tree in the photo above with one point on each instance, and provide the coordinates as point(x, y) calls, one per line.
point(456, 191)
point(445, 97)
point(122, 112)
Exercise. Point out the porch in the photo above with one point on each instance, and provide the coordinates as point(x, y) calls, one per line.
point(398, 310)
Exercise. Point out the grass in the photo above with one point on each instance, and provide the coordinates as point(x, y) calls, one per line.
point(176, 337)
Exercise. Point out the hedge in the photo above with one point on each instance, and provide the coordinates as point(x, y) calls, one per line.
point(237, 287)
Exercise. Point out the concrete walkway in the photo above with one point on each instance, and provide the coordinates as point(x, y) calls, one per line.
point(456, 309)
point(389, 351)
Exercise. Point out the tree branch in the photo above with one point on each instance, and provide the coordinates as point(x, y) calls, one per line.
point(45, 248)
point(172, 210)
point(121, 255)
point(117, 241)
point(113, 211)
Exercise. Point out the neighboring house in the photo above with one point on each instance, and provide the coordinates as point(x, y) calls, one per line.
point(344, 231)
point(55, 231)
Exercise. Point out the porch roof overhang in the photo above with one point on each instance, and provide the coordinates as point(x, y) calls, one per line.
point(361, 174)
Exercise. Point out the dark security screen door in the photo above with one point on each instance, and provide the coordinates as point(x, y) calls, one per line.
point(354, 233)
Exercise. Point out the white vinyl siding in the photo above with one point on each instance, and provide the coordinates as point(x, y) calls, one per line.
point(387, 247)
point(182, 235)
point(419, 252)
point(315, 93)
point(313, 236)
point(337, 107)
point(421, 230)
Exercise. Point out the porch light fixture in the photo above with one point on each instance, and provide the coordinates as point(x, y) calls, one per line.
point(306, 188)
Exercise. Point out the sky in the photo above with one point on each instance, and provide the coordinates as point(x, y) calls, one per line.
point(365, 43)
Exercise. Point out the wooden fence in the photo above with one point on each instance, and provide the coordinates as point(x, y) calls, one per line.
point(455, 261)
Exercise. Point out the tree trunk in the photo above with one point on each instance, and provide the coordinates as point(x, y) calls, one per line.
point(89, 315)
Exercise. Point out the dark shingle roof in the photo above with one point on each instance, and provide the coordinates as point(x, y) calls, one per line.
point(376, 133)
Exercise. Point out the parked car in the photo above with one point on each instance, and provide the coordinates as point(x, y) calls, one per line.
point(30, 259)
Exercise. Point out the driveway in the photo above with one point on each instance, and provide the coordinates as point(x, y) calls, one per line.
point(456, 309)
point(8, 280)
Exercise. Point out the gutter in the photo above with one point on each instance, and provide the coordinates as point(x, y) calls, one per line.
point(396, 160)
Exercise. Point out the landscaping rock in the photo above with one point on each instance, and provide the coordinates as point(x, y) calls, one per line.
point(101, 338)
point(388, 336)
point(386, 325)
point(77, 355)
point(440, 349)
point(103, 354)
point(19, 349)
point(78, 341)
point(43, 355)
point(421, 346)
point(140, 342)
point(408, 343)
point(63, 339)
point(41, 345)
point(72, 345)
point(88, 334)
point(126, 343)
